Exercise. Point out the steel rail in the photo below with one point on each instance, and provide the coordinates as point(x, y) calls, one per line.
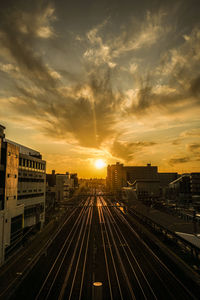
point(66, 251)
point(62, 292)
point(150, 264)
point(111, 253)
point(105, 255)
point(119, 256)
point(86, 251)
point(119, 215)
point(133, 256)
point(154, 271)
point(72, 232)
point(80, 252)
point(36, 257)
point(157, 258)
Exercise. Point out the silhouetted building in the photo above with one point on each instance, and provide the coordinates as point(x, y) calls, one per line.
point(119, 176)
point(74, 176)
point(185, 187)
point(50, 190)
point(51, 178)
point(147, 189)
point(180, 189)
point(166, 178)
point(195, 183)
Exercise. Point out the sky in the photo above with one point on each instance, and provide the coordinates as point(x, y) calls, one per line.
point(111, 79)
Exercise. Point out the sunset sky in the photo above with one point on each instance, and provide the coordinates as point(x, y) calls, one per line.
point(112, 80)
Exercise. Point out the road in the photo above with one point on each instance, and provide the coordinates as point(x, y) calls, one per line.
point(98, 243)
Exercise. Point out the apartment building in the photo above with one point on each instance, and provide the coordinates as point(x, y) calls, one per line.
point(119, 176)
point(22, 192)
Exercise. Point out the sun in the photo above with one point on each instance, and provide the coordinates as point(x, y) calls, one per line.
point(99, 163)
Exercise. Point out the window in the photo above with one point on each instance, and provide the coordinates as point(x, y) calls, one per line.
point(8, 175)
point(15, 176)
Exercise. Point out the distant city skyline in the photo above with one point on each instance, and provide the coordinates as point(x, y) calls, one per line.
point(102, 80)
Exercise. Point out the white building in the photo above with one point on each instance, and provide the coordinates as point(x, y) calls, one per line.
point(22, 193)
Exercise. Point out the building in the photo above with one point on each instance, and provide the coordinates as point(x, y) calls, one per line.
point(166, 178)
point(65, 186)
point(147, 189)
point(119, 176)
point(22, 193)
point(195, 184)
point(185, 188)
point(50, 190)
point(180, 189)
point(59, 187)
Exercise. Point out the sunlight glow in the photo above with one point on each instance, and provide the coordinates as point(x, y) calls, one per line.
point(99, 163)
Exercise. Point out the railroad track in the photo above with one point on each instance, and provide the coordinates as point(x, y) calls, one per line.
point(134, 272)
point(64, 280)
point(99, 243)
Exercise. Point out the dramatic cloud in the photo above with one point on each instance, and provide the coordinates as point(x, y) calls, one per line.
point(133, 36)
point(194, 147)
point(100, 77)
point(180, 160)
point(180, 68)
point(84, 112)
point(126, 151)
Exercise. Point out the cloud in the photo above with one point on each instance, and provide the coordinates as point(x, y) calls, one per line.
point(165, 99)
point(180, 160)
point(195, 86)
point(85, 112)
point(8, 68)
point(173, 87)
point(127, 150)
point(98, 52)
point(19, 31)
point(139, 34)
point(87, 109)
point(195, 132)
point(194, 147)
point(103, 49)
